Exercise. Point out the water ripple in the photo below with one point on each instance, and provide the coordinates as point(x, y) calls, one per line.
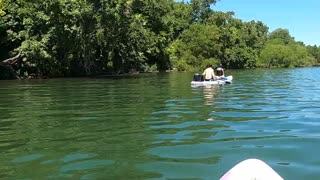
point(156, 126)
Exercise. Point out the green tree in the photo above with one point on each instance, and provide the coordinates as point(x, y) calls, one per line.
point(195, 48)
point(201, 9)
point(283, 35)
point(315, 52)
point(85, 37)
point(277, 54)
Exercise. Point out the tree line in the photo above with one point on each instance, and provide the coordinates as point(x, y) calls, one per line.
point(63, 38)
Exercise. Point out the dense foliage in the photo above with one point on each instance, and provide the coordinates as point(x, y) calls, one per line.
point(59, 38)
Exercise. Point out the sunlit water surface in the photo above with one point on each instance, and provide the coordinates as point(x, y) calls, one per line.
point(156, 126)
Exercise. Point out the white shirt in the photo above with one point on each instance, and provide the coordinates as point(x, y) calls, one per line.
point(208, 73)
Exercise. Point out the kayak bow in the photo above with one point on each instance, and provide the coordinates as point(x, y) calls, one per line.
point(251, 169)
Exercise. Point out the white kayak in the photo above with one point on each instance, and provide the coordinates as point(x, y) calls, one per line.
point(224, 80)
point(251, 169)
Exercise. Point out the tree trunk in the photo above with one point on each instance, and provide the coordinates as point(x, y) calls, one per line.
point(12, 60)
point(7, 66)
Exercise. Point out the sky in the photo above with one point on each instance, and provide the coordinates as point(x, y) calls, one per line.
point(300, 17)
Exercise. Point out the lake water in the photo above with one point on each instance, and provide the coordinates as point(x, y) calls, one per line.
point(157, 126)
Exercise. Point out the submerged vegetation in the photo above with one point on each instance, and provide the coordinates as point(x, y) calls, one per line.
point(60, 38)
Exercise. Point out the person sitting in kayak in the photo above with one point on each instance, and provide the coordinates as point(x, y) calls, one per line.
point(208, 73)
point(220, 72)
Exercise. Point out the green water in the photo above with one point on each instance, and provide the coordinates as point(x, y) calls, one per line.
point(157, 126)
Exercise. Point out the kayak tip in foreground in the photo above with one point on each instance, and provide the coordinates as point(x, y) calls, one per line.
point(251, 169)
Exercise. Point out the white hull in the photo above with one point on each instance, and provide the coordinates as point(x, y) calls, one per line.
point(227, 79)
point(251, 169)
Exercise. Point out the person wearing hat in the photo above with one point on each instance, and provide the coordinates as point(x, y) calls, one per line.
point(220, 72)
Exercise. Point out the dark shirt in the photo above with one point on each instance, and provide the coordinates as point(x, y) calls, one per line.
point(219, 71)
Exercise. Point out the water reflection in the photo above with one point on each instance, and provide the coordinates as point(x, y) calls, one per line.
point(183, 143)
point(209, 92)
point(249, 119)
point(73, 128)
point(159, 127)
